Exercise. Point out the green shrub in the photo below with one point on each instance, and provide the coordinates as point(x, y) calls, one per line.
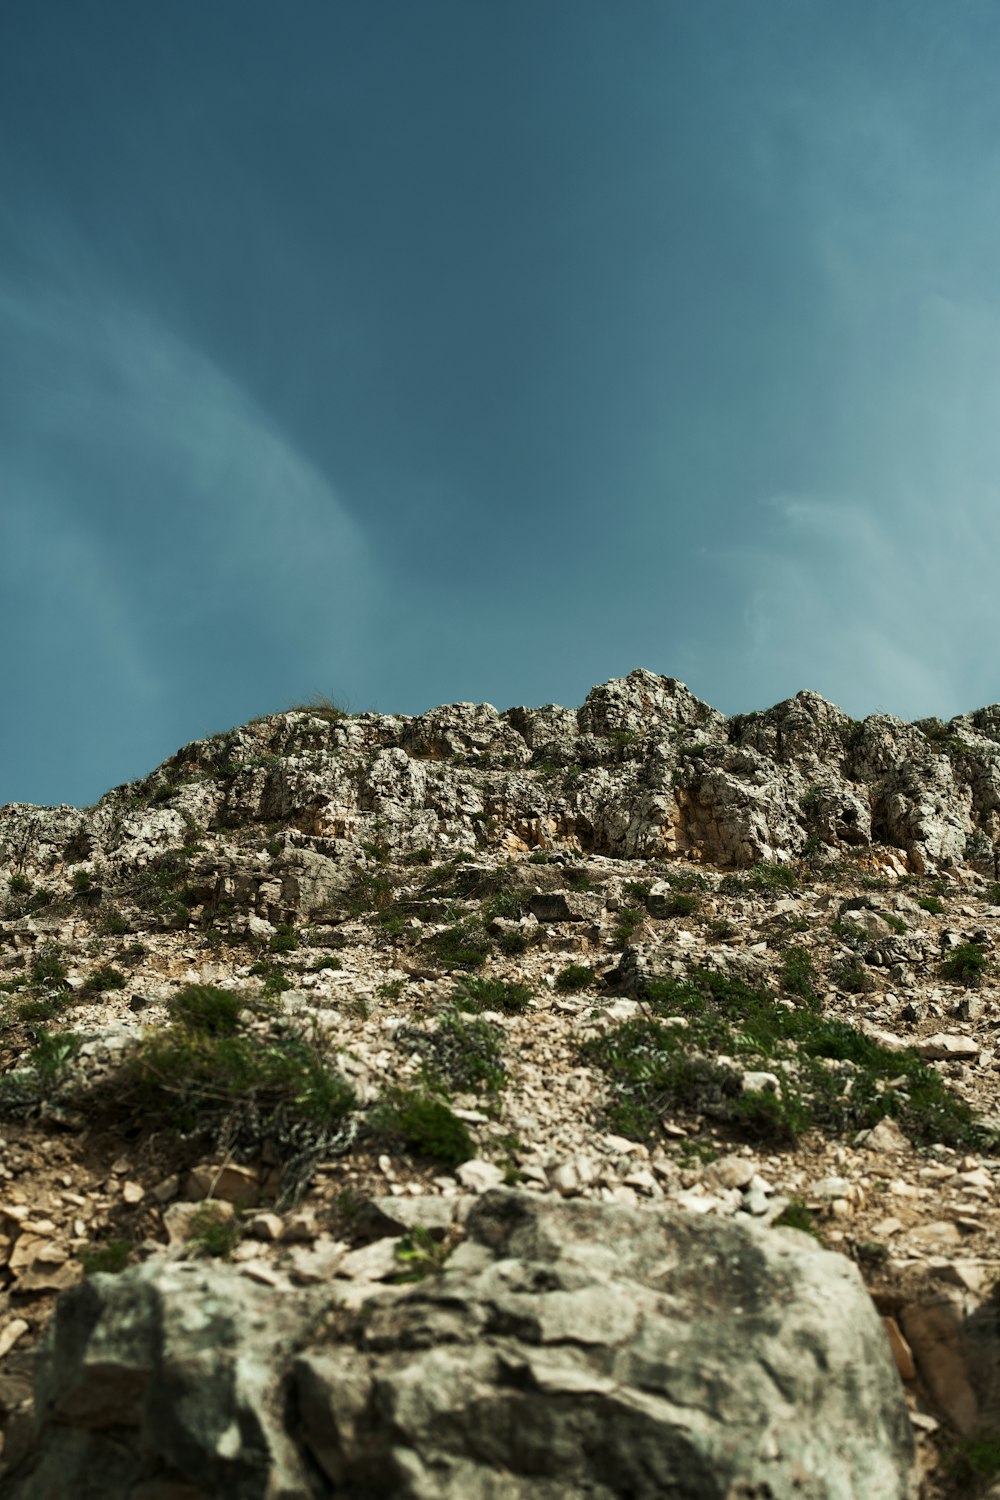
point(204, 1008)
point(769, 1118)
point(682, 904)
point(219, 1083)
point(629, 919)
point(834, 1076)
point(426, 1125)
point(328, 961)
point(460, 1054)
point(992, 896)
point(796, 1215)
point(798, 977)
point(574, 977)
point(965, 964)
point(492, 994)
point(106, 1259)
point(854, 978)
point(285, 939)
point(47, 967)
point(275, 983)
point(52, 1055)
point(213, 1232)
point(464, 946)
point(931, 904)
point(103, 979)
point(20, 885)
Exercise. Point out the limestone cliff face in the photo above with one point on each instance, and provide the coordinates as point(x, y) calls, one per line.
point(642, 769)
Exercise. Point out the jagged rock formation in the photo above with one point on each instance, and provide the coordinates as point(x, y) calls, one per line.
point(644, 769)
point(333, 976)
point(566, 1349)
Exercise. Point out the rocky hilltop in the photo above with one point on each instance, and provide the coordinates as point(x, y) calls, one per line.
point(530, 1104)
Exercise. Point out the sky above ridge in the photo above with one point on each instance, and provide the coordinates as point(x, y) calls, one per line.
point(486, 349)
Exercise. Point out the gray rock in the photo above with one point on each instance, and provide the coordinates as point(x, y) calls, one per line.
point(574, 1349)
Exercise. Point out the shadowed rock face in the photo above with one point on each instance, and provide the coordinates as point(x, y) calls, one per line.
point(642, 769)
point(567, 1349)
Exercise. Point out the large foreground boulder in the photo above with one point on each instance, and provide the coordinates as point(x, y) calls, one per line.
point(568, 1349)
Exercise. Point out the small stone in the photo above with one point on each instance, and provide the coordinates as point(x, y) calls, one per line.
point(947, 1044)
point(885, 1136)
point(479, 1176)
point(266, 1226)
point(10, 1333)
point(133, 1192)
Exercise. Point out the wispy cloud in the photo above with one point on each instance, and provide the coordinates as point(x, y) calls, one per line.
point(151, 504)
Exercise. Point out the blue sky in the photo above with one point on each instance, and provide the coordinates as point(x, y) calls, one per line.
point(485, 349)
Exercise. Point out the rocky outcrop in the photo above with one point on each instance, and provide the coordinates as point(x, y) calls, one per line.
point(565, 1349)
point(643, 769)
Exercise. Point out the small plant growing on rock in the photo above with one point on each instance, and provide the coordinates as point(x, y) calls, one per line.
point(797, 1215)
point(798, 977)
point(492, 994)
point(104, 979)
point(931, 904)
point(204, 1008)
point(106, 1259)
point(966, 964)
point(214, 1232)
point(48, 967)
point(464, 946)
point(421, 1254)
point(285, 939)
point(426, 1125)
point(574, 977)
point(20, 885)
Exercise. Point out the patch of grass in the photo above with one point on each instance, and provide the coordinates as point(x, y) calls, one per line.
point(425, 1124)
point(103, 979)
point(894, 923)
point(463, 946)
point(106, 1259)
point(931, 904)
point(538, 857)
point(285, 939)
point(577, 878)
point(512, 943)
point(797, 1216)
point(629, 918)
point(798, 977)
point(965, 964)
point(574, 977)
point(322, 707)
point(460, 1054)
point(208, 1010)
point(20, 885)
point(52, 1055)
point(681, 904)
point(34, 1011)
point(638, 890)
point(992, 893)
point(854, 978)
point(761, 879)
point(492, 994)
point(275, 982)
point(392, 989)
point(47, 967)
point(213, 1232)
point(974, 1462)
point(833, 1076)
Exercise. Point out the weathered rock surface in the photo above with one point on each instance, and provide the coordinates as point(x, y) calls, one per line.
point(642, 769)
point(566, 1349)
